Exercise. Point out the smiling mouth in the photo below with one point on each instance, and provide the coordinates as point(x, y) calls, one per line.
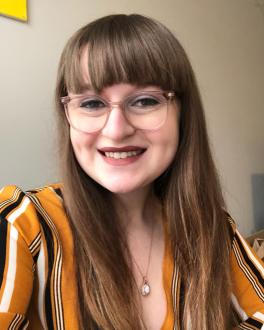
point(122, 154)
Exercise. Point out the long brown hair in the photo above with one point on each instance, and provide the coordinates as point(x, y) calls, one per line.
point(139, 50)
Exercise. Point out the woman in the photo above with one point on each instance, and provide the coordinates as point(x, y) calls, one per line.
point(136, 235)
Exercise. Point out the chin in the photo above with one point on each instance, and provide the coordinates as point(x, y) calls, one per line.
point(121, 187)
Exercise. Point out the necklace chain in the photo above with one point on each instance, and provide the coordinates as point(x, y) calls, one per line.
point(145, 287)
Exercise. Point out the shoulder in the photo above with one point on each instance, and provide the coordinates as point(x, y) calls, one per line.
point(47, 197)
point(231, 222)
point(242, 254)
point(247, 275)
point(15, 201)
point(21, 210)
point(10, 194)
point(237, 240)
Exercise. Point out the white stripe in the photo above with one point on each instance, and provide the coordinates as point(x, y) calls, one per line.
point(35, 243)
point(15, 322)
point(246, 271)
point(11, 271)
point(245, 327)
point(26, 325)
point(11, 218)
point(251, 255)
point(10, 200)
point(57, 266)
point(57, 195)
point(2, 190)
point(259, 316)
point(41, 278)
point(240, 311)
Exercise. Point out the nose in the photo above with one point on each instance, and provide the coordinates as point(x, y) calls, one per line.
point(117, 126)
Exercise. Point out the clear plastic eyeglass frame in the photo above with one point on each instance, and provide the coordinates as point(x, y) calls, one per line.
point(87, 123)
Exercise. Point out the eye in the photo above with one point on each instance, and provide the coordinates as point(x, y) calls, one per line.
point(92, 104)
point(144, 101)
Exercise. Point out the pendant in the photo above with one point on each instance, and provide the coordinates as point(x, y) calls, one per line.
point(145, 289)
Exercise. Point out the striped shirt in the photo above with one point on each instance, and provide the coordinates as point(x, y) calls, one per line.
point(37, 282)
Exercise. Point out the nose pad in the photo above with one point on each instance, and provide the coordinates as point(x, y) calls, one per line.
point(117, 126)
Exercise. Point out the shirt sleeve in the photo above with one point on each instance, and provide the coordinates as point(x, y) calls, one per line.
point(19, 243)
point(247, 271)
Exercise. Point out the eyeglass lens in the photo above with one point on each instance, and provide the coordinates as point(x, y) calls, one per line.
point(143, 110)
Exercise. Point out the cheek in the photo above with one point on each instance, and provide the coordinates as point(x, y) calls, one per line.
point(169, 137)
point(170, 142)
point(76, 141)
point(170, 146)
point(82, 144)
point(164, 147)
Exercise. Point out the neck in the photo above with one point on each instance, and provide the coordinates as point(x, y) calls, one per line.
point(137, 209)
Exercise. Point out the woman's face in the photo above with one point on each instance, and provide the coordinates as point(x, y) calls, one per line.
point(124, 175)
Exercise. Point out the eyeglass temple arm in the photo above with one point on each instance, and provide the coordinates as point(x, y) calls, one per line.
point(65, 99)
point(170, 94)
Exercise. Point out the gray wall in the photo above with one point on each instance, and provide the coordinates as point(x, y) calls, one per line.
point(224, 39)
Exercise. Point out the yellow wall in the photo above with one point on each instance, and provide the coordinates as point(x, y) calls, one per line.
point(14, 8)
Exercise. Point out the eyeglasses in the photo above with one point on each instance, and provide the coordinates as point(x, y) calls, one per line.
point(146, 110)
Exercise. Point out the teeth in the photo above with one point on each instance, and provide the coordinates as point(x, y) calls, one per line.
point(123, 154)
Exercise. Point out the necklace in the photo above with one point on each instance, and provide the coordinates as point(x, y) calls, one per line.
point(145, 286)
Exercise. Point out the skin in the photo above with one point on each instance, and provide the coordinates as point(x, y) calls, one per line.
point(131, 184)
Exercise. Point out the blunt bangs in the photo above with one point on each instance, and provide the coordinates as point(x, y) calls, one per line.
point(125, 49)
